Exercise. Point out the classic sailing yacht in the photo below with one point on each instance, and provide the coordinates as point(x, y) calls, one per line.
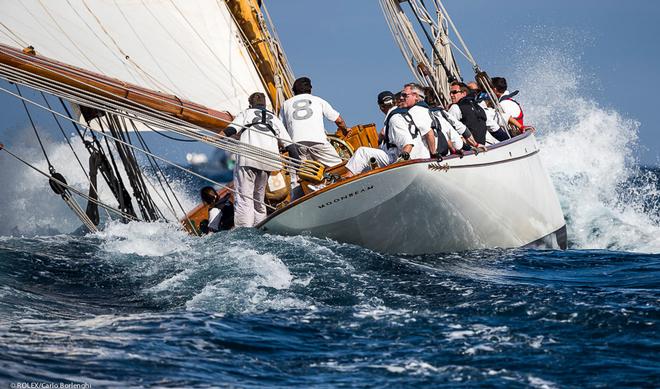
point(186, 66)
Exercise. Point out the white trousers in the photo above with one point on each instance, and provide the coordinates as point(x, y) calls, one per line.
point(360, 161)
point(249, 182)
point(321, 152)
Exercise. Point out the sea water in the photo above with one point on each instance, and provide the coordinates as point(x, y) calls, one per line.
point(147, 305)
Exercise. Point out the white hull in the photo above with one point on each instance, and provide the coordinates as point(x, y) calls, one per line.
point(501, 198)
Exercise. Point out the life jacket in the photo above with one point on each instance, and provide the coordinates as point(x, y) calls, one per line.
point(408, 118)
point(262, 123)
point(520, 117)
point(442, 148)
point(474, 118)
point(226, 214)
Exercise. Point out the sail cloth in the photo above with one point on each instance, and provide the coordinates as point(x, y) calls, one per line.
point(191, 49)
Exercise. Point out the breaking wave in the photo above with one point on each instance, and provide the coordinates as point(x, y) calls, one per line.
point(609, 201)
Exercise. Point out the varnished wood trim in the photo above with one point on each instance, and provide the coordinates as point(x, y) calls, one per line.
point(114, 89)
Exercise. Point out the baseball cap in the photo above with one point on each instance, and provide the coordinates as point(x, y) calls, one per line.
point(385, 96)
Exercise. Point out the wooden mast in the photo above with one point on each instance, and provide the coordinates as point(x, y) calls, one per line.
point(27, 60)
point(249, 19)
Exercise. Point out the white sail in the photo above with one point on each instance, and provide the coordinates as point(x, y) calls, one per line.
point(191, 49)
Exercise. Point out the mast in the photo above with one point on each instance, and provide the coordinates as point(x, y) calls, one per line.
point(264, 48)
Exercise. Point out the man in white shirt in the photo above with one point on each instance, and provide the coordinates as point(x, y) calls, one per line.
point(513, 113)
point(303, 118)
point(412, 97)
point(255, 127)
point(450, 127)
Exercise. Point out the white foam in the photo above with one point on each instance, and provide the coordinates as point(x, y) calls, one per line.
point(413, 366)
point(31, 208)
point(589, 152)
point(540, 383)
point(247, 282)
point(145, 239)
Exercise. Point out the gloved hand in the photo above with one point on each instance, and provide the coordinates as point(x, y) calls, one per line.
point(404, 155)
point(436, 156)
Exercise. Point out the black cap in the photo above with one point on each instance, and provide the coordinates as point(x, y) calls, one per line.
point(385, 96)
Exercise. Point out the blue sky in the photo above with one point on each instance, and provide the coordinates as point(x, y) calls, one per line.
point(347, 50)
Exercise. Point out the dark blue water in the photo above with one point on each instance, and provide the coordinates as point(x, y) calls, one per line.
point(144, 305)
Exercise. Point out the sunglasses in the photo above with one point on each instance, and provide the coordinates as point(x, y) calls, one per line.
point(405, 95)
point(455, 92)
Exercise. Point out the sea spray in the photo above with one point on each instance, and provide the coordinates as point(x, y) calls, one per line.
point(32, 208)
point(589, 152)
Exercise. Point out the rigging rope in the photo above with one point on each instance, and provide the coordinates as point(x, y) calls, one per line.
point(143, 151)
point(91, 184)
point(162, 120)
point(36, 133)
point(65, 185)
point(450, 75)
point(158, 170)
point(131, 106)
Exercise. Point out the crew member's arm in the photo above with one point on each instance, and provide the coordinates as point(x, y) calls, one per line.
point(405, 152)
point(284, 140)
point(452, 147)
point(230, 131)
point(430, 141)
point(470, 140)
point(233, 129)
point(515, 123)
point(341, 126)
point(332, 115)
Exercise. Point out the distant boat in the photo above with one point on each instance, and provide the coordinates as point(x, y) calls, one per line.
point(218, 167)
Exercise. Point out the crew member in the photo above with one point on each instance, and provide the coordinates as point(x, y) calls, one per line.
point(513, 113)
point(419, 117)
point(221, 211)
point(451, 128)
point(398, 140)
point(465, 108)
point(258, 127)
point(303, 117)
